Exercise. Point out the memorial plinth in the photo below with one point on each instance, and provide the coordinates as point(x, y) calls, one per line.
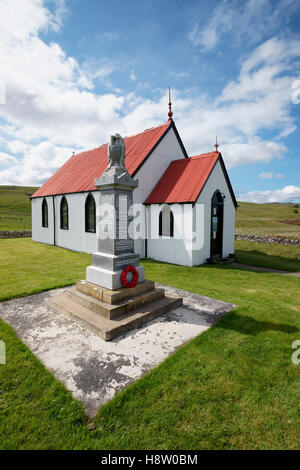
point(115, 238)
point(100, 302)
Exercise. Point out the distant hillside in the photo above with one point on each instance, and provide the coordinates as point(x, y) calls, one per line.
point(269, 219)
point(15, 207)
point(259, 219)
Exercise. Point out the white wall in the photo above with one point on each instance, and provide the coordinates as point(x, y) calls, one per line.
point(151, 172)
point(174, 249)
point(75, 238)
point(153, 169)
point(215, 181)
point(39, 233)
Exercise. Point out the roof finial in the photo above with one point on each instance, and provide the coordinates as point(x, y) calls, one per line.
point(170, 114)
point(216, 144)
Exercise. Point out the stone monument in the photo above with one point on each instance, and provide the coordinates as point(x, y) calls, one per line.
point(100, 302)
point(115, 243)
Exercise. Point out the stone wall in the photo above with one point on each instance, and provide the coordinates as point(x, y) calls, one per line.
point(261, 239)
point(15, 234)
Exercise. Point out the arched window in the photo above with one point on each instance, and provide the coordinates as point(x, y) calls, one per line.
point(44, 213)
point(64, 214)
point(90, 214)
point(217, 197)
point(166, 222)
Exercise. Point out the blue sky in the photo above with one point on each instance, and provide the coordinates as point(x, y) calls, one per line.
point(75, 71)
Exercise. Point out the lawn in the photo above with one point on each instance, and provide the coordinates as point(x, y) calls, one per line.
point(28, 267)
point(277, 256)
point(234, 386)
point(15, 207)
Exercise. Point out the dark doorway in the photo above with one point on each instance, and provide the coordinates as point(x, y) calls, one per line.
point(216, 244)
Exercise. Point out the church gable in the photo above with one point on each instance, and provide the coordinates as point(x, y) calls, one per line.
point(217, 180)
point(184, 179)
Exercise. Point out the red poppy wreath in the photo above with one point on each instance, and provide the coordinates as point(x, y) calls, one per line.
point(135, 276)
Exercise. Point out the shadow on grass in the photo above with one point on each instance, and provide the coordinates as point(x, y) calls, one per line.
point(250, 326)
point(262, 259)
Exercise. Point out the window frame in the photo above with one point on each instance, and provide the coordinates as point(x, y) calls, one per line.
point(160, 223)
point(45, 218)
point(89, 198)
point(64, 201)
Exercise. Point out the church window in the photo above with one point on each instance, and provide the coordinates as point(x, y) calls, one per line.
point(90, 214)
point(44, 213)
point(64, 214)
point(166, 222)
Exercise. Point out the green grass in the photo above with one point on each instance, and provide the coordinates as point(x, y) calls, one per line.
point(232, 387)
point(15, 207)
point(266, 219)
point(28, 267)
point(274, 256)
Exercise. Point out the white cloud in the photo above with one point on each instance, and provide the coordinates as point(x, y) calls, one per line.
point(52, 106)
point(250, 20)
point(253, 150)
point(268, 175)
point(286, 194)
point(38, 164)
point(206, 38)
point(24, 20)
point(5, 158)
point(258, 100)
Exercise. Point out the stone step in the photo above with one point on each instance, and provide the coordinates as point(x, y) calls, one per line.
point(114, 296)
point(113, 311)
point(111, 329)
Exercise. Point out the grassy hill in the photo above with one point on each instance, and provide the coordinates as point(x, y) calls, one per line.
point(15, 207)
point(256, 219)
point(269, 219)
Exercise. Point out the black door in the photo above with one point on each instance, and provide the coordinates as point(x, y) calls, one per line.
point(216, 225)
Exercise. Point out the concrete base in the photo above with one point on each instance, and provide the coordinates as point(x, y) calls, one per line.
point(108, 329)
point(113, 297)
point(111, 311)
point(95, 370)
point(109, 279)
point(127, 308)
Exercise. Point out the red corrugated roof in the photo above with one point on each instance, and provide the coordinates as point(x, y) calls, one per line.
point(79, 172)
point(183, 180)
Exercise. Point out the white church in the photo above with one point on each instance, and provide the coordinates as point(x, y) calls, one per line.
point(188, 202)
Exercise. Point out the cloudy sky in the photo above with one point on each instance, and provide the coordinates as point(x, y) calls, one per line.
point(74, 71)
